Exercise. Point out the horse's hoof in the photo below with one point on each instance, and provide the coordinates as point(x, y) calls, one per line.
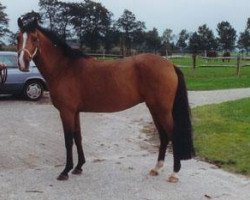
point(153, 172)
point(173, 179)
point(62, 177)
point(77, 171)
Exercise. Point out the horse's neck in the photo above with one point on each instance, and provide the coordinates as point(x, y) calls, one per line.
point(49, 59)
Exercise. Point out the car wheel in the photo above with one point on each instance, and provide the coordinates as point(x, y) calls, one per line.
point(33, 90)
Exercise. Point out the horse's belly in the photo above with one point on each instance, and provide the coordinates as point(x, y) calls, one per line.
point(111, 103)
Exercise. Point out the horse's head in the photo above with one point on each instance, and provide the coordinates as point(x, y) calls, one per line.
point(27, 43)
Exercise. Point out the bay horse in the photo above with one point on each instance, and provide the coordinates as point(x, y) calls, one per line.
point(212, 54)
point(3, 73)
point(78, 83)
point(226, 56)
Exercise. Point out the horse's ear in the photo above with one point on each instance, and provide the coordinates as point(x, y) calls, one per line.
point(20, 23)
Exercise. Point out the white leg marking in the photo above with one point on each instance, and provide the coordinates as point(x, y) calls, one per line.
point(173, 178)
point(157, 169)
point(21, 61)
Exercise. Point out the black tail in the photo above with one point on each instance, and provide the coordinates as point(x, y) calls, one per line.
point(182, 135)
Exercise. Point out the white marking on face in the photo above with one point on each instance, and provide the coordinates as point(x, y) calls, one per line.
point(21, 60)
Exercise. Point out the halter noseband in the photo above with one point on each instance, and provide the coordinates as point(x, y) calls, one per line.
point(31, 56)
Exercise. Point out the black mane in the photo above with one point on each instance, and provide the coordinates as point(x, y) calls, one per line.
point(55, 39)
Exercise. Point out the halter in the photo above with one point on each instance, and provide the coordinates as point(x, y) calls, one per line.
point(31, 56)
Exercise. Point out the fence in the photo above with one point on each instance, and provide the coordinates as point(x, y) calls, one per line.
point(201, 61)
point(104, 56)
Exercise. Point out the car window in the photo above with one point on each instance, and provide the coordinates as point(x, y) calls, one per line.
point(9, 60)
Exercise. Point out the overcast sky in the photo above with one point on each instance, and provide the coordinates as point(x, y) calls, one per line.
point(161, 14)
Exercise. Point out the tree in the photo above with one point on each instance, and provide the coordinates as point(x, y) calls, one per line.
point(167, 36)
point(182, 41)
point(138, 40)
point(129, 26)
point(152, 40)
point(12, 38)
point(58, 16)
point(48, 9)
point(206, 38)
point(227, 36)
point(111, 39)
point(194, 43)
point(4, 21)
point(62, 20)
point(244, 38)
point(91, 21)
point(248, 24)
point(167, 42)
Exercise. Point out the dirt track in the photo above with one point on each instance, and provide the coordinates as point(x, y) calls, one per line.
point(119, 157)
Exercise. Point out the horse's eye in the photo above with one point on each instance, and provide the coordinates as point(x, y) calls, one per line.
point(35, 40)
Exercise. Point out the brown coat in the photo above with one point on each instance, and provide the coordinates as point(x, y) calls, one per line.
point(87, 85)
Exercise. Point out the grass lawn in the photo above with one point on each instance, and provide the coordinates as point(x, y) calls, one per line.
point(213, 74)
point(211, 78)
point(188, 62)
point(222, 134)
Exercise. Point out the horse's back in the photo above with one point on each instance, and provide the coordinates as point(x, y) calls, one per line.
point(109, 86)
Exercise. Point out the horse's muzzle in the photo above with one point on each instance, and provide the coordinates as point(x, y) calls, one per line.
point(23, 65)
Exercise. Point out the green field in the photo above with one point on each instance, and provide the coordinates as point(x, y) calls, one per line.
point(214, 74)
point(187, 61)
point(211, 78)
point(222, 135)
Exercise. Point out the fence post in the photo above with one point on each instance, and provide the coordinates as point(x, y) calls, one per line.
point(238, 65)
point(194, 60)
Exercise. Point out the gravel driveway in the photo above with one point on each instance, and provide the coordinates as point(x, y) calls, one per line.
point(118, 152)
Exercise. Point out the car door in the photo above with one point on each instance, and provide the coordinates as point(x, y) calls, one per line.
point(15, 79)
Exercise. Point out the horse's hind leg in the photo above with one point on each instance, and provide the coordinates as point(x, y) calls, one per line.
point(177, 166)
point(78, 142)
point(162, 152)
point(164, 125)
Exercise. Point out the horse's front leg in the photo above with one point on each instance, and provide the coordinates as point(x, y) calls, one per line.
point(68, 128)
point(78, 142)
